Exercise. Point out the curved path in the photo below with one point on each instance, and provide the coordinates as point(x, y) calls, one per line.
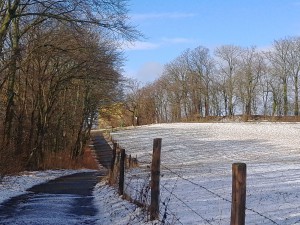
point(65, 200)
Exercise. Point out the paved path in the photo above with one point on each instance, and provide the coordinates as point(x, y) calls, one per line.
point(102, 149)
point(66, 200)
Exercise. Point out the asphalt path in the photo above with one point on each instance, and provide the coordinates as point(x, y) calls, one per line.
point(65, 200)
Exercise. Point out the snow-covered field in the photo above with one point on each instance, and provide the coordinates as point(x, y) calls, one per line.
point(196, 169)
point(196, 174)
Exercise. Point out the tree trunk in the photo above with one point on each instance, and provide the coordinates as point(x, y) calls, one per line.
point(285, 97)
point(10, 94)
point(296, 109)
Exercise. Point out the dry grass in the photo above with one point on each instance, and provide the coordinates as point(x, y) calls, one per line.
point(244, 118)
point(63, 160)
point(11, 164)
point(88, 159)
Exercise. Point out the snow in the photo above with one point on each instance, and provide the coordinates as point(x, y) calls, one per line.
point(11, 186)
point(112, 209)
point(196, 175)
point(196, 169)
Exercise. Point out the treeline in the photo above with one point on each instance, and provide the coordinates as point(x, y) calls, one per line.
point(229, 81)
point(58, 62)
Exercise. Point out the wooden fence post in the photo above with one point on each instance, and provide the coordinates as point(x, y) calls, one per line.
point(155, 179)
point(129, 161)
point(122, 172)
point(238, 205)
point(118, 157)
point(113, 160)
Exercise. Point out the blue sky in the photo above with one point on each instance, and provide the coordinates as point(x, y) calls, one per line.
point(172, 26)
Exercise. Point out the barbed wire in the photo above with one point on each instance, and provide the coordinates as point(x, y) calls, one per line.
point(206, 220)
point(174, 216)
point(129, 187)
point(167, 200)
point(202, 187)
point(217, 195)
point(196, 184)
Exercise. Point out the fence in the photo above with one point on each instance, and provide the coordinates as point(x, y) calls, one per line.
point(145, 192)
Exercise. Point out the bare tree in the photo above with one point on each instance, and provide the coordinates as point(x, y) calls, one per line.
point(279, 58)
point(251, 70)
point(55, 70)
point(229, 59)
point(132, 100)
point(162, 100)
point(111, 16)
point(176, 75)
point(148, 107)
point(294, 67)
point(236, 80)
point(202, 65)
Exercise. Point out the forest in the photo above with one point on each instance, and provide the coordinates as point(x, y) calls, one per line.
point(59, 61)
point(228, 81)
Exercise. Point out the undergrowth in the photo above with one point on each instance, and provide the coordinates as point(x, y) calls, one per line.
point(11, 164)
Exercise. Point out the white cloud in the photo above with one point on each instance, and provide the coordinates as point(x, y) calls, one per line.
point(143, 45)
point(168, 15)
point(140, 45)
point(148, 72)
point(177, 40)
point(265, 48)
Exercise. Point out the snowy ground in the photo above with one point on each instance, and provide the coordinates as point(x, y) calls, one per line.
point(114, 210)
point(111, 208)
point(196, 174)
point(196, 170)
point(11, 186)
